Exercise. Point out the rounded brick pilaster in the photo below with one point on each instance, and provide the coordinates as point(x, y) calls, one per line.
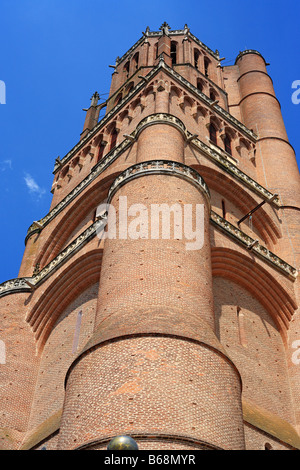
point(154, 347)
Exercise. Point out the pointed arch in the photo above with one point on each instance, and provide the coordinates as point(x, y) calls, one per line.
point(213, 133)
point(266, 225)
point(244, 271)
point(74, 214)
point(73, 280)
point(197, 55)
point(207, 63)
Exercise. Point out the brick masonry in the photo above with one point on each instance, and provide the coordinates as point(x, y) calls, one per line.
point(181, 349)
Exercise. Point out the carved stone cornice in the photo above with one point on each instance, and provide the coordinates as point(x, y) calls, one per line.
point(100, 124)
point(160, 118)
point(256, 248)
point(248, 51)
point(160, 167)
point(96, 170)
point(26, 284)
point(69, 251)
point(222, 112)
point(233, 170)
point(14, 286)
point(216, 157)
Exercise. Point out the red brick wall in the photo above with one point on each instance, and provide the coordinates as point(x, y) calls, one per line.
point(255, 345)
point(160, 386)
point(59, 352)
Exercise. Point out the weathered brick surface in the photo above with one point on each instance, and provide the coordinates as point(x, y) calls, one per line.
point(252, 340)
point(258, 440)
point(199, 395)
point(69, 334)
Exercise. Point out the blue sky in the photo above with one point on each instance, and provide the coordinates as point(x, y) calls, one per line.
point(55, 54)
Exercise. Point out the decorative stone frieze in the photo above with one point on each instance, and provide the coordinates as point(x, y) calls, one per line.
point(216, 157)
point(96, 170)
point(252, 244)
point(160, 167)
point(146, 168)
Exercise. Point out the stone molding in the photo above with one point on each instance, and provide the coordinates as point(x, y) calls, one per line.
point(96, 170)
point(26, 284)
point(253, 245)
point(160, 167)
point(215, 156)
point(248, 51)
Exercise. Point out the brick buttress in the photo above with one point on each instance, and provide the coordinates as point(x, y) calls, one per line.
point(154, 367)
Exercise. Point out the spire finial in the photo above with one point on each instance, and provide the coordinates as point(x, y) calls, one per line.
point(165, 28)
point(95, 98)
point(186, 29)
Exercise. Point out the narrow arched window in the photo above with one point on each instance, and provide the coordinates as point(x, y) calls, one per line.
point(136, 61)
point(199, 85)
point(227, 144)
point(155, 50)
point(213, 134)
point(118, 99)
point(65, 171)
point(223, 209)
point(212, 95)
point(196, 58)
point(126, 69)
point(113, 139)
point(174, 52)
point(130, 87)
point(101, 151)
point(206, 66)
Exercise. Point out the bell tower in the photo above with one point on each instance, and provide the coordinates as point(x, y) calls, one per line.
point(158, 297)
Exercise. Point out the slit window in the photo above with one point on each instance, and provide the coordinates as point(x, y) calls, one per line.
point(174, 52)
point(199, 85)
point(206, 66)
point(213, 134)
point(227, 144)
point(113, 140)
point(241, 327)
point(196, 58)
point(223, 209)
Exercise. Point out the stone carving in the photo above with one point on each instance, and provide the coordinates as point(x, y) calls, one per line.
point(116, 152)
point(256, 248)
point(159, 167)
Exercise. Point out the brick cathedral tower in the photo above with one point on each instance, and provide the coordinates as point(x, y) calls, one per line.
point(178, 348)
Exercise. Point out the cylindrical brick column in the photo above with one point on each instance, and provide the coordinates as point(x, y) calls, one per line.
point(171, 143)
point(276, 163)
point(30, 253)
point(277, 170)
point(154, 368)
